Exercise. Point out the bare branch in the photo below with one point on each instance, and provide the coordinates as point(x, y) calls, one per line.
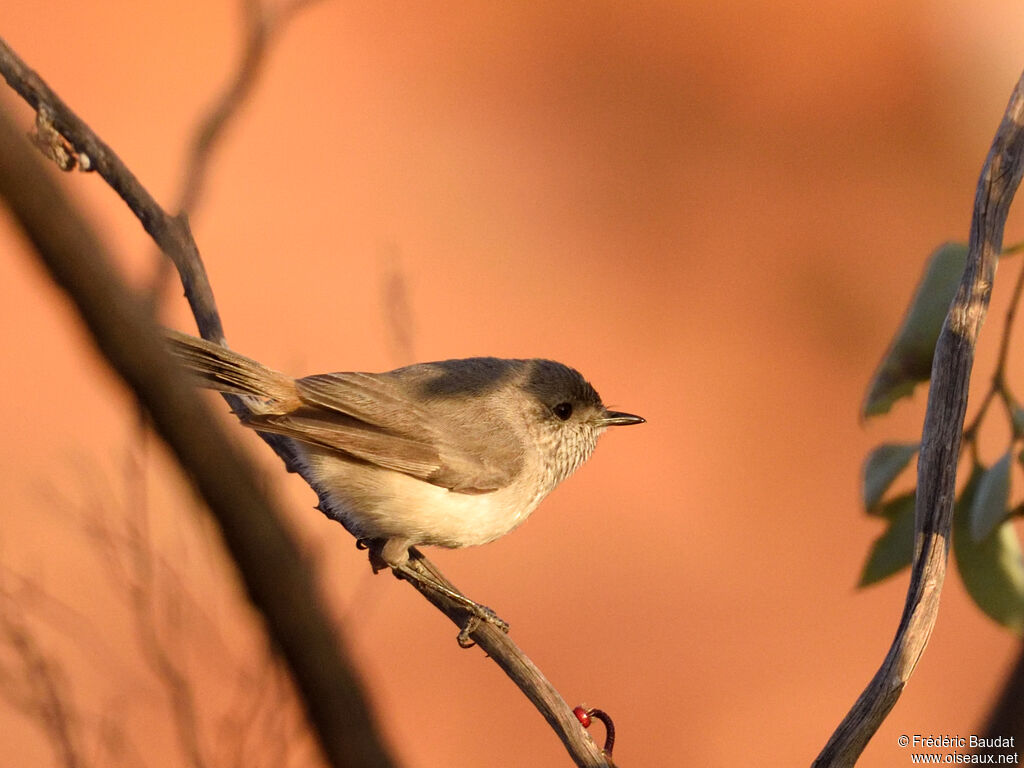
point(262, 25)
point(518, 666)
point(275, 574)
point(940, 442)
point(175, 239)
point(171, 234)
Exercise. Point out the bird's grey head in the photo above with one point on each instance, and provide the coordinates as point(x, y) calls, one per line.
point(568, 415)
point(549, 402)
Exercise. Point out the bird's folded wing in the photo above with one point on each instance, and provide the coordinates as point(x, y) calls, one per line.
point(434, 461)
point(398, 430)
point(376, 399)
point(350, 436)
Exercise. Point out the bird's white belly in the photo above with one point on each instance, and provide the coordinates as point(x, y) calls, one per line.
point(373, 502)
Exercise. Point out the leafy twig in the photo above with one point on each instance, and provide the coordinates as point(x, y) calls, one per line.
point(940, 444)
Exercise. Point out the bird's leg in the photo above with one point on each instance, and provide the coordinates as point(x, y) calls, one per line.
point(394, 553)
point(474, 609)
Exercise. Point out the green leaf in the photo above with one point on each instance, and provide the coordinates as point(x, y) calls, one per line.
point(894, 549)
point(882, 466)
point(992, 569)
point(909, 359)
point(990, 502)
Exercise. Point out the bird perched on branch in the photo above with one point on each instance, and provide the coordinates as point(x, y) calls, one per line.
point(453, 453)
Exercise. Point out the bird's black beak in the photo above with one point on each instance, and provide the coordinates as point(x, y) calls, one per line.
point(619, 419)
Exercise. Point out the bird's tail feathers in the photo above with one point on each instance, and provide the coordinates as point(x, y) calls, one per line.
point(223, 370)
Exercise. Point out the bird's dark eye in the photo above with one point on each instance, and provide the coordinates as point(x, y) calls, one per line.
point(563, 411)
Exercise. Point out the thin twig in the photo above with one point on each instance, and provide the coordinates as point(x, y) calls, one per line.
point(999, 385)
point(1004, 344)
point(262, 25)
point(175, 239)
point(523, 672)
point(397, 307)
point(48, 699)
point(940, 442)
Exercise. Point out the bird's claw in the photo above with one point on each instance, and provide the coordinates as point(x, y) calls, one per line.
point(484, 614)
point(465, 639)
point(476, 611)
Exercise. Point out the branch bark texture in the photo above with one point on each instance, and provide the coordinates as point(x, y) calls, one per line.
point(940, 441)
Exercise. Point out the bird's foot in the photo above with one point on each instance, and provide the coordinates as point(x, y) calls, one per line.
point(477, 612)
point(394, 554)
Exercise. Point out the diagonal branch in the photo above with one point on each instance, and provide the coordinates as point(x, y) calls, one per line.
point(274, 571)
point(174, 238)
point(940, 442)
point(171, 234)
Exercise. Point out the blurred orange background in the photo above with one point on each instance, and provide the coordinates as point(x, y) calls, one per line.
point(717, 212)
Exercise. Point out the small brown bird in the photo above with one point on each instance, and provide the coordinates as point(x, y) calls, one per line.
point(452, 453)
